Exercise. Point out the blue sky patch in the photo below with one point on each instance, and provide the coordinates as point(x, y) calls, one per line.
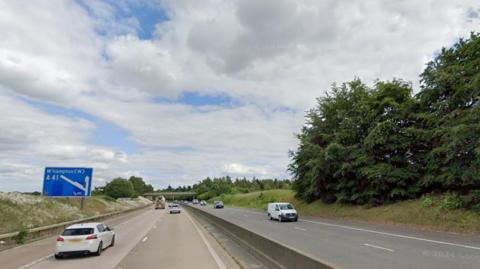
point(196, 99)
point(148, 17)
point(147, 14)
point(105, 134)
point(109, 134)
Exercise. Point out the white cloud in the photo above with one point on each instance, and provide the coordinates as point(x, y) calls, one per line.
point(273, 58)
point(240, 169)
point(140, 65)
point(31, 140)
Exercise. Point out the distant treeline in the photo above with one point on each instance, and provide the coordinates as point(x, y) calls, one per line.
point(375, 145)
point(212, 187)
point(122, 187)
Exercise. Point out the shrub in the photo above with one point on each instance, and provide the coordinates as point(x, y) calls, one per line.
point(472, 199)
point(476, 208)
point(476, 195)
point(452, 201)
point(427, 201)
point(21, 236)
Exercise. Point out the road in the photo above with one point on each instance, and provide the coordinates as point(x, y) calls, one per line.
point(146, 239)
point(175, 242)
point(42, 249)
point(362, 246)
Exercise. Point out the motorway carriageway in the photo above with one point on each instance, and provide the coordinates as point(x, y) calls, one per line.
point(362, 246)
point(144, 239)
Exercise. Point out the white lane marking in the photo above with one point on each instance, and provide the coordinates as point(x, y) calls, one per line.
point(35, 262)
point(394, 235)
point(384, 233)
point(378, 247)
point(145, 239)
point(301, 229)
point(214, 254)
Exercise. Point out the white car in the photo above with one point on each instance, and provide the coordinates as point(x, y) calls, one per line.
point(174, 208)
point(282, 212)
point(84, 238)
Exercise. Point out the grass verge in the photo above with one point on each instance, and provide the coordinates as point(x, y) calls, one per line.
point(21, 211)
point(429, 216)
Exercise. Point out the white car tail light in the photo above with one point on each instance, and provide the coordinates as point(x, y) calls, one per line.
point(90, 237)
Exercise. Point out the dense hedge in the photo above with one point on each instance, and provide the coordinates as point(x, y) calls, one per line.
point(374, 145)
point(212, 187)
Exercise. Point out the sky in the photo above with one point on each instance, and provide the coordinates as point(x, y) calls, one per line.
point(178, 90)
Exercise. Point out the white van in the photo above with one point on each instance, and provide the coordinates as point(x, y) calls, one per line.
point(282, 212)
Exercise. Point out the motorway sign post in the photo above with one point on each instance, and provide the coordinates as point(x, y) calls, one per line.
point(67, 182)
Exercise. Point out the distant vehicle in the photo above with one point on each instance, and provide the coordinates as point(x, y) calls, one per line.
point(282, 212)
point(174, 209)
point(160, 203)
point(203, 203)
point(195, 201)
point(84, 238)
point(218, 204)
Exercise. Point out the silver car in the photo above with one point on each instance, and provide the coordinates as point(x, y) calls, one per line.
point(174, 209)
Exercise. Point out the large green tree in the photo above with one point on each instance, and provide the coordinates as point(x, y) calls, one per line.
point(374, 145)
point(449, 115)
point(139, 186)
point(354, 146)
point(119, 188)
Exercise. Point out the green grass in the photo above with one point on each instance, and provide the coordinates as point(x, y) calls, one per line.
point(416, 213)
point(19, 211)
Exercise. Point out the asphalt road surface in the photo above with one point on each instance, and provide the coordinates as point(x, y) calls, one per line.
point(362, 246)
point(28, 254)
point(145, 239)
point(175, 242)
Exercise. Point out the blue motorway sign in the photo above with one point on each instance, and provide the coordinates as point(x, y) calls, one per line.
point(67, 181)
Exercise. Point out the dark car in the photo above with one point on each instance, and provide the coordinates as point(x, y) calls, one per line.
point(218, 204)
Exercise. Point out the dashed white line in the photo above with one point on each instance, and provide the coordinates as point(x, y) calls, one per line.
point(382, 233)
point(298, 228)
point(394, 235)
point(145, 239)
point(378, 247)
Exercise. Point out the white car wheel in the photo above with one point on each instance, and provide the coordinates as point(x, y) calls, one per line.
point(99, 250)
